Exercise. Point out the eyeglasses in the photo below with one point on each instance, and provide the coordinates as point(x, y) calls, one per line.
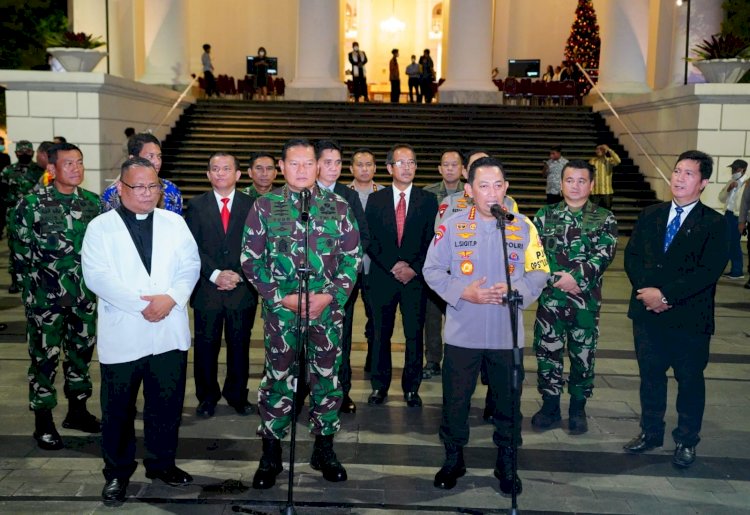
point(142, 189)
point(404, 163)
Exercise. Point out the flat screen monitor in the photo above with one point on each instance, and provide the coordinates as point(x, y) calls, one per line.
point(524, 68)
point(273, 65)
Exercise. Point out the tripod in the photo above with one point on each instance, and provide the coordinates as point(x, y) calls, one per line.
point(514, 300)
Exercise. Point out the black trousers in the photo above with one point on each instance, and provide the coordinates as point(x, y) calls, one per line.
point(360, 88)
point(460, 369)
point(386, 296)
point(163, 378)
point(433, 327)
point(345, 371)
point(370, 323)
point(425, 86)
point(414, 88)
point(395, 91)
point(657, 349)
point(211, 88)
point(236, 324)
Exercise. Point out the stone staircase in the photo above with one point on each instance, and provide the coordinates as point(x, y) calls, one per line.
point(519, 135)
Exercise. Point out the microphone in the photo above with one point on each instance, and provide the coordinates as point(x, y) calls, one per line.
point(304, 196)
point(498, 212)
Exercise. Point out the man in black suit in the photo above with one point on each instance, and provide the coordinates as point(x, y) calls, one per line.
point(328, 154)
point(222, 299)
point(401, 221)
point(674, 258)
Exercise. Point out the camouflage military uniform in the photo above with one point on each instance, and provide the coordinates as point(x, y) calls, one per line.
point(61, 311)
point(271, 254)
point(18, 180)
point(582, 243)
point(251, 192)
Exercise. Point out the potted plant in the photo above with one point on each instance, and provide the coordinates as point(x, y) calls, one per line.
point(75, 51)
point(723, 58)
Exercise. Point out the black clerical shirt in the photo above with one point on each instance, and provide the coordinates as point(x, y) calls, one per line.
point(141, 231)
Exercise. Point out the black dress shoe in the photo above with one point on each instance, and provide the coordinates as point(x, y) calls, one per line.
point(376, 397)
point(205, 409)
point(348, 406)
point(51, 441)
point(113, 493)
point(430, 370)
point(684, 456)
point(642, 443)
point(173, 476)
point(244, 409)
point(452, 469)
point(82, 421)
point(413, 400)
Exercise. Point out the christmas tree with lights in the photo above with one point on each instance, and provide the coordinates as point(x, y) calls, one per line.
point(583, 43)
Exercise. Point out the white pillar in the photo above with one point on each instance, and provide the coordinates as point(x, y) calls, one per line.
point(166, 42)
point(469, 55)
point(623, 28)
point(318, 47)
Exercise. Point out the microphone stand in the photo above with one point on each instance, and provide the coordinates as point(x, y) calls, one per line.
point(303, 337)
point(514, 300)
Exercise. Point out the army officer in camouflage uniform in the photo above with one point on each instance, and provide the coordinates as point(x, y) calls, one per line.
point(580, 240)
point(61, 311)
point(17, 181)
point(272, 253)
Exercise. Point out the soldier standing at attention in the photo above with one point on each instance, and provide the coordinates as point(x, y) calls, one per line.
point(272, 253)
point(17, 181)
point(61, 310)
point(580, 240)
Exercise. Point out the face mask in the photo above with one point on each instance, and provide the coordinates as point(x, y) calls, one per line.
point(356, 49)
point(2, 148)
point(262, 54)
point(24, 159)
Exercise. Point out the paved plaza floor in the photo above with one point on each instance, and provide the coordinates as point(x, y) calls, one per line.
point(392, 452)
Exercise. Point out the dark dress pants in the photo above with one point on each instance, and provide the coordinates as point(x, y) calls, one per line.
point(236, 324)
point(387, 294)
point(414, 88)
point(211, 87)
point(425, 86)
point(657, 349)
point(433, 327)
point(370, 323)
point(460, 369)
point(163, 378)
point(345, 371)
point(395, 91)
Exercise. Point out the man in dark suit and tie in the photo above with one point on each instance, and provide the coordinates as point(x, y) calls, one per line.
point(674, 258)
point(222, 299)
point(401, 221)
point(328, 154)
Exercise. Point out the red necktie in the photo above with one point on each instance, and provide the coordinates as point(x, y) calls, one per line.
point(400, 217)
point(225, 213)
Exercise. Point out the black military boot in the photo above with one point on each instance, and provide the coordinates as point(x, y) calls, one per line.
point(504, 471)
point(577, 422)
point(270, 464)
point(79, 418)
point(549, 416)
point(453, 467)
point(45, 433)
point(324, 459)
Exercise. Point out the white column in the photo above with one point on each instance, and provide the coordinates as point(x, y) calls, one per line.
point(317, 69)
point(469, 55)
point(623, 28)
point(166, 42)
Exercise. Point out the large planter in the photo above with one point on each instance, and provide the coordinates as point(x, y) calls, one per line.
point(723, 70)
point(77, 59)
